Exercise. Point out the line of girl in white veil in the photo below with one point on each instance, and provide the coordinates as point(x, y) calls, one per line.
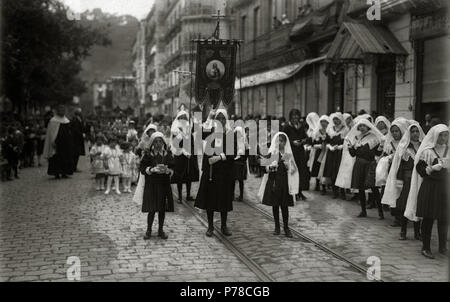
point(411, 167)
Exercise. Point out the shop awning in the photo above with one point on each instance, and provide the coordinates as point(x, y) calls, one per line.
point(355, 40)
point(275, 75)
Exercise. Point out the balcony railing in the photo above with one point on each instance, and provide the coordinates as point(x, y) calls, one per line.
point(266, 43)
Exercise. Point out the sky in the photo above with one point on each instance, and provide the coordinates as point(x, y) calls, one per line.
point(137, 8)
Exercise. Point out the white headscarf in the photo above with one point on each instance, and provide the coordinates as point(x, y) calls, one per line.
point(225, 114)
point(428, 143)
point(293, 175)
point(317, 132)
point(344, 177)
point(180, 125)
point(155, 136)
point(139, 192)
point(392, 192)
point(383, 119)
point(312, 120)
point(346, 116)
point(402, 124)
point(241, 140)
point(179, 128)
point(365, 116)
point(355, 134)
point(331, 131)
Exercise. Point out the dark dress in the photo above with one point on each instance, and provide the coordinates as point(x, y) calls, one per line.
point(216, 184)
point(157, 191)
point(299, 153)
point(240, 166)
point(62, 162)
point(276, 192)
point(316, 164)
point(78, 140)
point(333, 160)
point(362, 177)
point(404, 173)
point(432, 199)
point(185, 169)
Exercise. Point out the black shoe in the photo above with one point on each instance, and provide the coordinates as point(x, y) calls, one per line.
point(362, 215)
point(427, 254)
point(396, 224)
point(443, 251)
point(209, 232)
point(288, 233)
point(240, 199)
point(418, 237)
point(380, 216)
point(277, 231)
point(189, 198)
point(302, 197)
point(402, 236)
point(226, 231)
point(162, 235)
point(180, 201)
point(148, 235)
point(57, 177)
point(65, 176)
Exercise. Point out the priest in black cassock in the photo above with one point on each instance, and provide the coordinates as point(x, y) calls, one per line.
point(77, 125)
point(58, 146)
point(215, 193)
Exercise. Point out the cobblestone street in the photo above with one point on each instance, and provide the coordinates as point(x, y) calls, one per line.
point(43, 222)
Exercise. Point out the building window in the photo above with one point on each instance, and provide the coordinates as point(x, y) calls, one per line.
point(243, 27)
point(256, 23)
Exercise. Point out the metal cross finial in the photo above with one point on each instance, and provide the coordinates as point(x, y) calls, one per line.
point(216, 34)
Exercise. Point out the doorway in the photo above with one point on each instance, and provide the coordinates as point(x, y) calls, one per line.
point(386, 86)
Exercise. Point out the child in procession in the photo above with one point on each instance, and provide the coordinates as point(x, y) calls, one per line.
point(157, 166)
point(111, 155)
point(280, 184)
point(97, 163)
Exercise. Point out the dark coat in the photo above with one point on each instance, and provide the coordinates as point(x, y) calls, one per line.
point(299, 153)
point(77, 134)
point(62, 161)
point(217, 183)
point(157, 191)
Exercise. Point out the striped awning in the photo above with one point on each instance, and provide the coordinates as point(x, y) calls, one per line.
point(275, 75)
point(354, 40)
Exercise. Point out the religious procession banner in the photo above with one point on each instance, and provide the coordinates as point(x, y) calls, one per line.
point(215, 72)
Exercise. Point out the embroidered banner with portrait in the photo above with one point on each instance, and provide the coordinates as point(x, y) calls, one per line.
point(215, 72)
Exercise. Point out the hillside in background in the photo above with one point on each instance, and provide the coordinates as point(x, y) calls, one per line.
point(115, 59)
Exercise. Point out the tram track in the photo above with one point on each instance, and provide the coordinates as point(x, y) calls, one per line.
point(262, 274)
point(319, 245)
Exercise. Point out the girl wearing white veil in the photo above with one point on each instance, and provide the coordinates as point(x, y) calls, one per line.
point(240, 167)
point(427, 197)
point(391, 141)
point(312, 119)
point(186, 164)
point(399, 179)
point(280, 184)
point(216, 184)
point(344, 177)
point(382, 124)
point(336, 132)
point(318, 155)
point(348, 118)
point(143, 146)
point(366, 139)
